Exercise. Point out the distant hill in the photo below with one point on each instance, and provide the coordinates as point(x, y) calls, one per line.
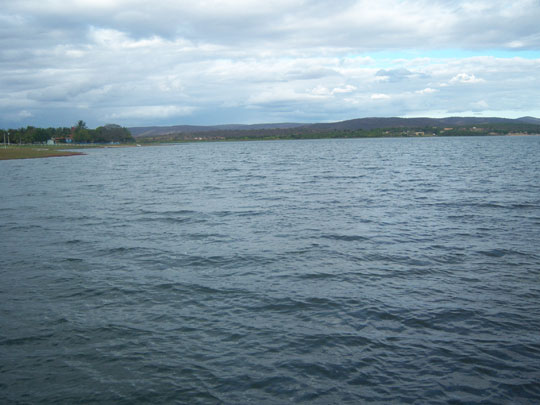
point(348, 125)
point(530, 120)
point(390, 126)
point(190, 129)
point(395, 122)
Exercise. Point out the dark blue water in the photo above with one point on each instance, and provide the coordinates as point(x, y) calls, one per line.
point(331, 271)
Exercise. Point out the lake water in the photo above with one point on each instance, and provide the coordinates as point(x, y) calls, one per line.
point(328, 271)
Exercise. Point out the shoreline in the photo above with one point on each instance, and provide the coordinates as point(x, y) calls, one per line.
point(13, 152)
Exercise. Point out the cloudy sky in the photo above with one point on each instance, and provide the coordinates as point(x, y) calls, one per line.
point(136, 62)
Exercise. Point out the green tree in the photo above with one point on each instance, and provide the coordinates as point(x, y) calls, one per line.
point(80, 133)
point(82, 136)
point(113, 133)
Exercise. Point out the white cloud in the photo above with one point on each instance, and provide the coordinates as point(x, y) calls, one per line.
point(160, 111)
point(427, 90)
point(466, 78)
point(281, 94)
point(25, 114)
point(343, 90)
point(515, 44)
point(321, 91)
point(215, 60)
point(480, 106)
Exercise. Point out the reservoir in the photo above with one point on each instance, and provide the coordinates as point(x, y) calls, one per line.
point(325, 271)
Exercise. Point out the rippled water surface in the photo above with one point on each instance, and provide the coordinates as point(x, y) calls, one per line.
point(330, 271)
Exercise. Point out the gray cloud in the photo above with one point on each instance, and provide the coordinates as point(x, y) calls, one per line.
point(244, 61)
point(400, 74)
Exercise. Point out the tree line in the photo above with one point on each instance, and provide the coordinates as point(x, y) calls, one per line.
point(316, 132)
point(79, 133)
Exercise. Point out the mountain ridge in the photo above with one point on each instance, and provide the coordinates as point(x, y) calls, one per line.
point(367, 123)
point(165, 130)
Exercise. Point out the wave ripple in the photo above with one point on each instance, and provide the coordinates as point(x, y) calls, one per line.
point(331, 271)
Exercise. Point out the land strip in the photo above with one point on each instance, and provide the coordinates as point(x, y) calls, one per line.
point(31, 152)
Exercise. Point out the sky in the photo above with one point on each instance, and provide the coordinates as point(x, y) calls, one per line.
point(206, 62)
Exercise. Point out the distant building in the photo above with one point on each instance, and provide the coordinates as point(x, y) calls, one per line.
point(62, 139)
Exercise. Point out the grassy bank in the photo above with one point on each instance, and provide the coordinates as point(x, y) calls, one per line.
point(32, 152)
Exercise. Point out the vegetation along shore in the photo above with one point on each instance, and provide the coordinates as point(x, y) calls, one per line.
point(32, 142)
point(31, 152)
point(375, 127)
